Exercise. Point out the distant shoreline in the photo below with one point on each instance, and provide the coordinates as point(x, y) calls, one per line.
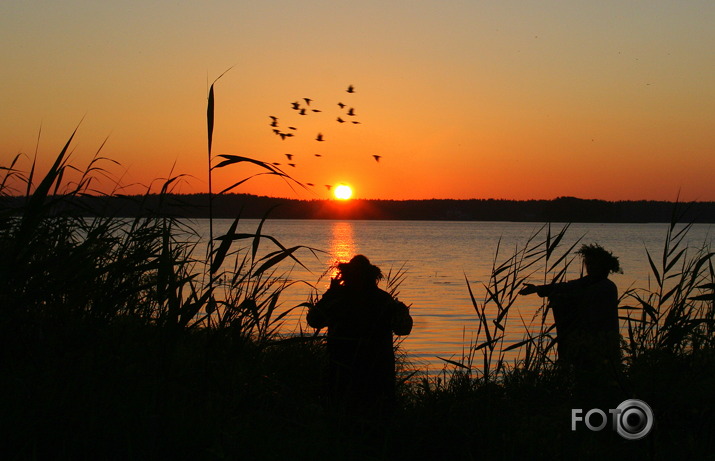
point(562, 209)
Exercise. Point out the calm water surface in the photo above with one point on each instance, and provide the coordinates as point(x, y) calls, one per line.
point(438, 256)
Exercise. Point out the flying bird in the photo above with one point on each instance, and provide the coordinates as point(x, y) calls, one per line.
point(289, 156)
point(342, 106)
point(292, 164)
point(356, 123)
point(341, 120)
point(319, 137)
point(295, 105)
point(318, 155)
point(377, 158)
point(302, 112)
point(292, 128)
point(351, 112)
point(328, 186)
point(276, 164)
point(307, 100)
point(351, 89)
point(317, 110)
point(309, 184)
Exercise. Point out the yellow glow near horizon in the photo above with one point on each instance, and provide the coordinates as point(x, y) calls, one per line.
point(343, 192)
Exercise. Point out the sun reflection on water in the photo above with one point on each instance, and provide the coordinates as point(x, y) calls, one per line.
point(342, 243)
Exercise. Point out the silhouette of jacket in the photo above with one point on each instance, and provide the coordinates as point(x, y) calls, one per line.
point(360, 322)
point(586, 316)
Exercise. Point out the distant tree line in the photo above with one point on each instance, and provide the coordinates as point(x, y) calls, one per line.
point(562, 209)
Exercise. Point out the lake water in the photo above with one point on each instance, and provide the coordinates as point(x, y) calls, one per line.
point(438, 257)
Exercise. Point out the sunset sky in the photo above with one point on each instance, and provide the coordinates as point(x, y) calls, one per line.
point(522, 99)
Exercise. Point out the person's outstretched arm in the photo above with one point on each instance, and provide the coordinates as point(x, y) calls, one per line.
point(541, 290)
point(547, 290)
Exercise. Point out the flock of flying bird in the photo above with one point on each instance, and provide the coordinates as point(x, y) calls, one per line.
point(304, 108)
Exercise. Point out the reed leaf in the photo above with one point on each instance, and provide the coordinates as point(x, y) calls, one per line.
point(257, 238)
point(276, 257)
point(706, 297)
point(674, 261)
point(697, 267)
point(32, 209)
point(654, 269)
point(677, 288)
point(489, 343)
point(481, 316)
point(493, 296)
point(233, 159)
point(283, 314)
point(10, 172)
point(235, 185)
point(679, 236)
point(503, 313)
point(240, 236)
point(648, 308)
point(210, 119)
point(471, 295)
point(565, 255)
point(31, 176)
point(223, 248)
point(502, 268)
point(517, 345)
point(551, 247)
point(456, 364)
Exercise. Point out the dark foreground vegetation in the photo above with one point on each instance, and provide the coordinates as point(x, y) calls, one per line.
point(117, 343)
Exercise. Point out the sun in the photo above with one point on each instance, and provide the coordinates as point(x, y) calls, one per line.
point(343, 192)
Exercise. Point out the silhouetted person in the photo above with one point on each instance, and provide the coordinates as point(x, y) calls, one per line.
point(586, 316)
point(361, 319)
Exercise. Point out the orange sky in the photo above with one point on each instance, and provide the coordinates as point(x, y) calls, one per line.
point(613, 100)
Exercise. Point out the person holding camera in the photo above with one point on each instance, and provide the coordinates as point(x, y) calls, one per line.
point(361, 320)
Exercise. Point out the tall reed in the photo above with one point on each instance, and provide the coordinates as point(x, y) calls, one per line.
point(252, 287)
point(486, 356)
point(62, 259)
point(673, 314)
